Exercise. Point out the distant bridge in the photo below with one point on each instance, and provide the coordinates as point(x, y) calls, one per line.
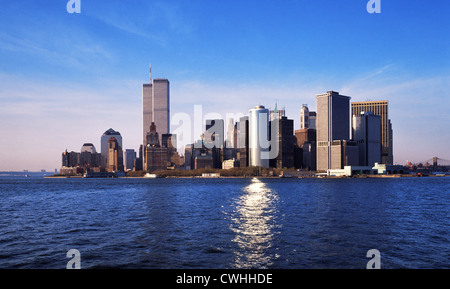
point(439, 161)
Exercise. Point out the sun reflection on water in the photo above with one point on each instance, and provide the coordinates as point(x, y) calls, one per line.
point(254, 226)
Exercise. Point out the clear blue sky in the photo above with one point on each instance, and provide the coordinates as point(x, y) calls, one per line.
point(67, 78)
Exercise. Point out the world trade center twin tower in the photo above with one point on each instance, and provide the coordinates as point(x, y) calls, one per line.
point(156, 107)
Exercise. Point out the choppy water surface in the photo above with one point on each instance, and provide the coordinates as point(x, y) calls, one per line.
point(225, 223)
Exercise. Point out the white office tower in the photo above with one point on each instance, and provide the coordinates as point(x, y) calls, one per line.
point(259, 137)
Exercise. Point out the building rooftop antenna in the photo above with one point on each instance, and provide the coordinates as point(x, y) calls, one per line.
point(150, 72)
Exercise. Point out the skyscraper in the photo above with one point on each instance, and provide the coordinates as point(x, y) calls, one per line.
point(366, 132)
point(380, 108)
point(243, 142)
point(104, 146)
point(285, 142)
point(259, 137)
point(112, 157)
point(333, 132)
point(130, 158)
point(214, 139)
point(156, 106)
point(306, 133)
point(89, 156)
point(304, 117)
point(306, 138)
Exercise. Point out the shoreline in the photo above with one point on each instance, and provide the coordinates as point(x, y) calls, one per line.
point(262, 177)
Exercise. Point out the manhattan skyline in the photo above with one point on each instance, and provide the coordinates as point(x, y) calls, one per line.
point(67, 78)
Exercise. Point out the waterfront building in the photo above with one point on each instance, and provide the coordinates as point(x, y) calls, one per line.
point(259, 137)
point(309, 155)
point(155, 159)
point(383, 169)
point(349, 171)
point(343, 153)
point(70, 159)
point(376, 169)
point(139, 161)
point(366, 132)
point(156, 106)
point(229, 164)
point(298, 156)
point(333, 127)
point(104, 146)
point(204, 161)
point(130, 158)
point(72, 170)
point(380, 108)
point(89, 156)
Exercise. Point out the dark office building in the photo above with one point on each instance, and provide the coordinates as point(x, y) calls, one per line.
point(89, 156)
point(213, 140)
point(70, 159)
point(243, 142)
point(306, 141)
point(285, 143)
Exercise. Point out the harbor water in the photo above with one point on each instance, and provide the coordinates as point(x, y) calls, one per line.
point(223, 223)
